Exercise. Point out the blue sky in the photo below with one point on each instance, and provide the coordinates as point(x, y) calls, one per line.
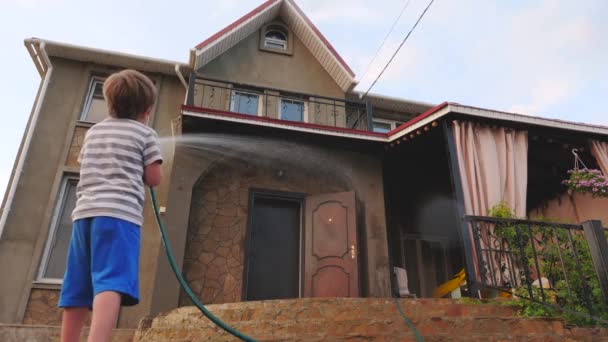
point(538, 57)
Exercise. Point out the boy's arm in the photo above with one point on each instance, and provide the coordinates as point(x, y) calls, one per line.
point(153, 172)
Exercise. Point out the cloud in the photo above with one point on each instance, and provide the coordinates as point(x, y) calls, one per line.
point(545, 93)
point(324, 11)
point(407, 62)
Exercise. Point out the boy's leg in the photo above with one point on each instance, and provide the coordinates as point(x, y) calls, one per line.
point(77, 289)
point(114, 272)
point(106, 306)
point(72, 322)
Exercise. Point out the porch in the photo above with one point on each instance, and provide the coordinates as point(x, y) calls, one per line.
point(453, 206)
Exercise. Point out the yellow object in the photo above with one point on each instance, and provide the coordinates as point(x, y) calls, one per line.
point(450, 285)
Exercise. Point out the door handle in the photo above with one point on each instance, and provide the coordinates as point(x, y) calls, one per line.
point(353, 253)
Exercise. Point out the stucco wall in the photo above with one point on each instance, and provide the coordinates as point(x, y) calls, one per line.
point(246, 63)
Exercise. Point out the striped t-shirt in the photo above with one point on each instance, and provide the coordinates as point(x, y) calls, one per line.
point(112, 161)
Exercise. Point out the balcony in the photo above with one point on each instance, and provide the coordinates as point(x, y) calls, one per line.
point(277, 104)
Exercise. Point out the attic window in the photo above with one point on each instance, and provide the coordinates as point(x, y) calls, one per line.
point(275, 38)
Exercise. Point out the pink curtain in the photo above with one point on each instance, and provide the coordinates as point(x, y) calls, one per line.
point(493, 165)
point(599, 150)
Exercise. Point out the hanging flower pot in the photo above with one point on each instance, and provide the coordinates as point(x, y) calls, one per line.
point(588, 181)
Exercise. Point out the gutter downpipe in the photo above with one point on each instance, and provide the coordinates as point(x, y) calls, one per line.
point(36, 48)
point(179, 74)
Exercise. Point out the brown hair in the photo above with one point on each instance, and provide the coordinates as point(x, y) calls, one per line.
point(129, 93)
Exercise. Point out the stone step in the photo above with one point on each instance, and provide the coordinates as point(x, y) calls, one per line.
point(359, 319)
point(44, 333)
point(311, 329)
point(340, 309)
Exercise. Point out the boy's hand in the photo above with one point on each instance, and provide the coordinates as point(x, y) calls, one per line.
point(153, 174)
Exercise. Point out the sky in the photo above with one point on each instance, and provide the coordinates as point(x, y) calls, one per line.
point(538, 57)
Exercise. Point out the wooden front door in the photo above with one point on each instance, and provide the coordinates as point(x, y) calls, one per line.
point(330, 259)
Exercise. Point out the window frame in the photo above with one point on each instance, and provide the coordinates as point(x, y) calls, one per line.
point(89, 98)
point(60, 203)
point(239, 91)
point(304, 106)
point(392, 123)
point(276, 44)
point(287, 45)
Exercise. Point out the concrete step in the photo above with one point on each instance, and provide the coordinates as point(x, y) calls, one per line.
point(437, 328)
point(44, 333)
point(347, 309)
point(346, 319)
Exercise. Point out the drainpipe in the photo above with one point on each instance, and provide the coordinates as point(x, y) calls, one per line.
point(182, 79)
point(41, 59)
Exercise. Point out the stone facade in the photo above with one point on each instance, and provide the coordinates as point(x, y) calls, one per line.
point(214, 255)
point(42, 308)
point(75, 146)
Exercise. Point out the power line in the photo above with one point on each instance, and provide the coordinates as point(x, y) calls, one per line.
point(399, 48)
point(407, 3)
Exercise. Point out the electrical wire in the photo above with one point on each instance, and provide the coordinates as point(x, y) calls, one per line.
point(407, 3)
point(398, 49)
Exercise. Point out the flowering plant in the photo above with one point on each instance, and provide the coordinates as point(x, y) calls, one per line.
point(587, 181)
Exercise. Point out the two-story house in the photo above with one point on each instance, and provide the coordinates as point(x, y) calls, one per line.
point(281, 181)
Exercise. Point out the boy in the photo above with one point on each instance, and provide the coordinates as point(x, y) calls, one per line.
point(119, 156)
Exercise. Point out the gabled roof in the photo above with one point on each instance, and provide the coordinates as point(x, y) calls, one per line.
point(297, 21)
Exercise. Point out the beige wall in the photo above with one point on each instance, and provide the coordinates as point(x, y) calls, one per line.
point(246, 63)
point(575, 209)
point(56, 142)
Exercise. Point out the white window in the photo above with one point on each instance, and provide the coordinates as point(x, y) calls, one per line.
point(55, 254)
point(384, 126)
point(244, 103)
point(292, 110)
point(95, 108)
point(276, 38)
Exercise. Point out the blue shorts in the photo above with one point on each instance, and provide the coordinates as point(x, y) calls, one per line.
point(103, 256)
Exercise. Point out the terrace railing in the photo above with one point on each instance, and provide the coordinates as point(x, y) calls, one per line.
point(560, 265)
point(277, 104)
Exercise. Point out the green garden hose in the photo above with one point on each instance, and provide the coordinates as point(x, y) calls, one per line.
point(408, 322)
point(200, 306)
point(182, 281)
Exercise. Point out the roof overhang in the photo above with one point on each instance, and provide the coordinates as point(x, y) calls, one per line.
point(111, 58)
point(446, 108)
point(434, 114)
point(298, 22)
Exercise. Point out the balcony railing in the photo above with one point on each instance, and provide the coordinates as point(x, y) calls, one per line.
point(544, 262)
point(278, 104)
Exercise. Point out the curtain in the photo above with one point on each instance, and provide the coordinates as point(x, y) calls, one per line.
point(493, 164)
point(599, 150)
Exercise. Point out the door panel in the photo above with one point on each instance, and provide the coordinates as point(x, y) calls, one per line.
point(330, 260)
point(273, 258)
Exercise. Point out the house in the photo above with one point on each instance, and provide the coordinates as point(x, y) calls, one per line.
point(281, 181)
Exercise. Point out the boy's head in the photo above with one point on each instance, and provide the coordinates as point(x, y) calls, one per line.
point(129, 94)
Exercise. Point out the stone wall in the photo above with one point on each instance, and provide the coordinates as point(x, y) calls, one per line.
point(214, 256)
point(42, 308)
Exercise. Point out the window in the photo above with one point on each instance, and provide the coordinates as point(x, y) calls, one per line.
point(95, 108)
point(383, 126)
point(244, 103)
point(292, 110)
point(275, 38)
point(56, 251)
